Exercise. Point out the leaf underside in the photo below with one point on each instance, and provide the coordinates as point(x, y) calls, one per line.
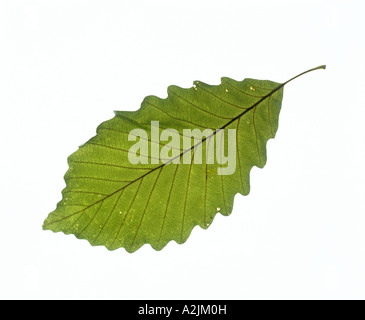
point(111, 202)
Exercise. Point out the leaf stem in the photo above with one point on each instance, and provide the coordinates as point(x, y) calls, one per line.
point(299, 75)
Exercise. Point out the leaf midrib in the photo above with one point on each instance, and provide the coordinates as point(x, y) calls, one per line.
point(193, 147)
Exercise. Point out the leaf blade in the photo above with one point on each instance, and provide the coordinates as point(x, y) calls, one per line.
point(110, 202)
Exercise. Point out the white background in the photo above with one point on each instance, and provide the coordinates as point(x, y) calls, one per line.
point(66, 65)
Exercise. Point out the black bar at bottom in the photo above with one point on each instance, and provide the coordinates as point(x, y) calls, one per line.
point(176, 309)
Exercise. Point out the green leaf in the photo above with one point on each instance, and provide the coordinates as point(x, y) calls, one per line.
point(112, 202)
